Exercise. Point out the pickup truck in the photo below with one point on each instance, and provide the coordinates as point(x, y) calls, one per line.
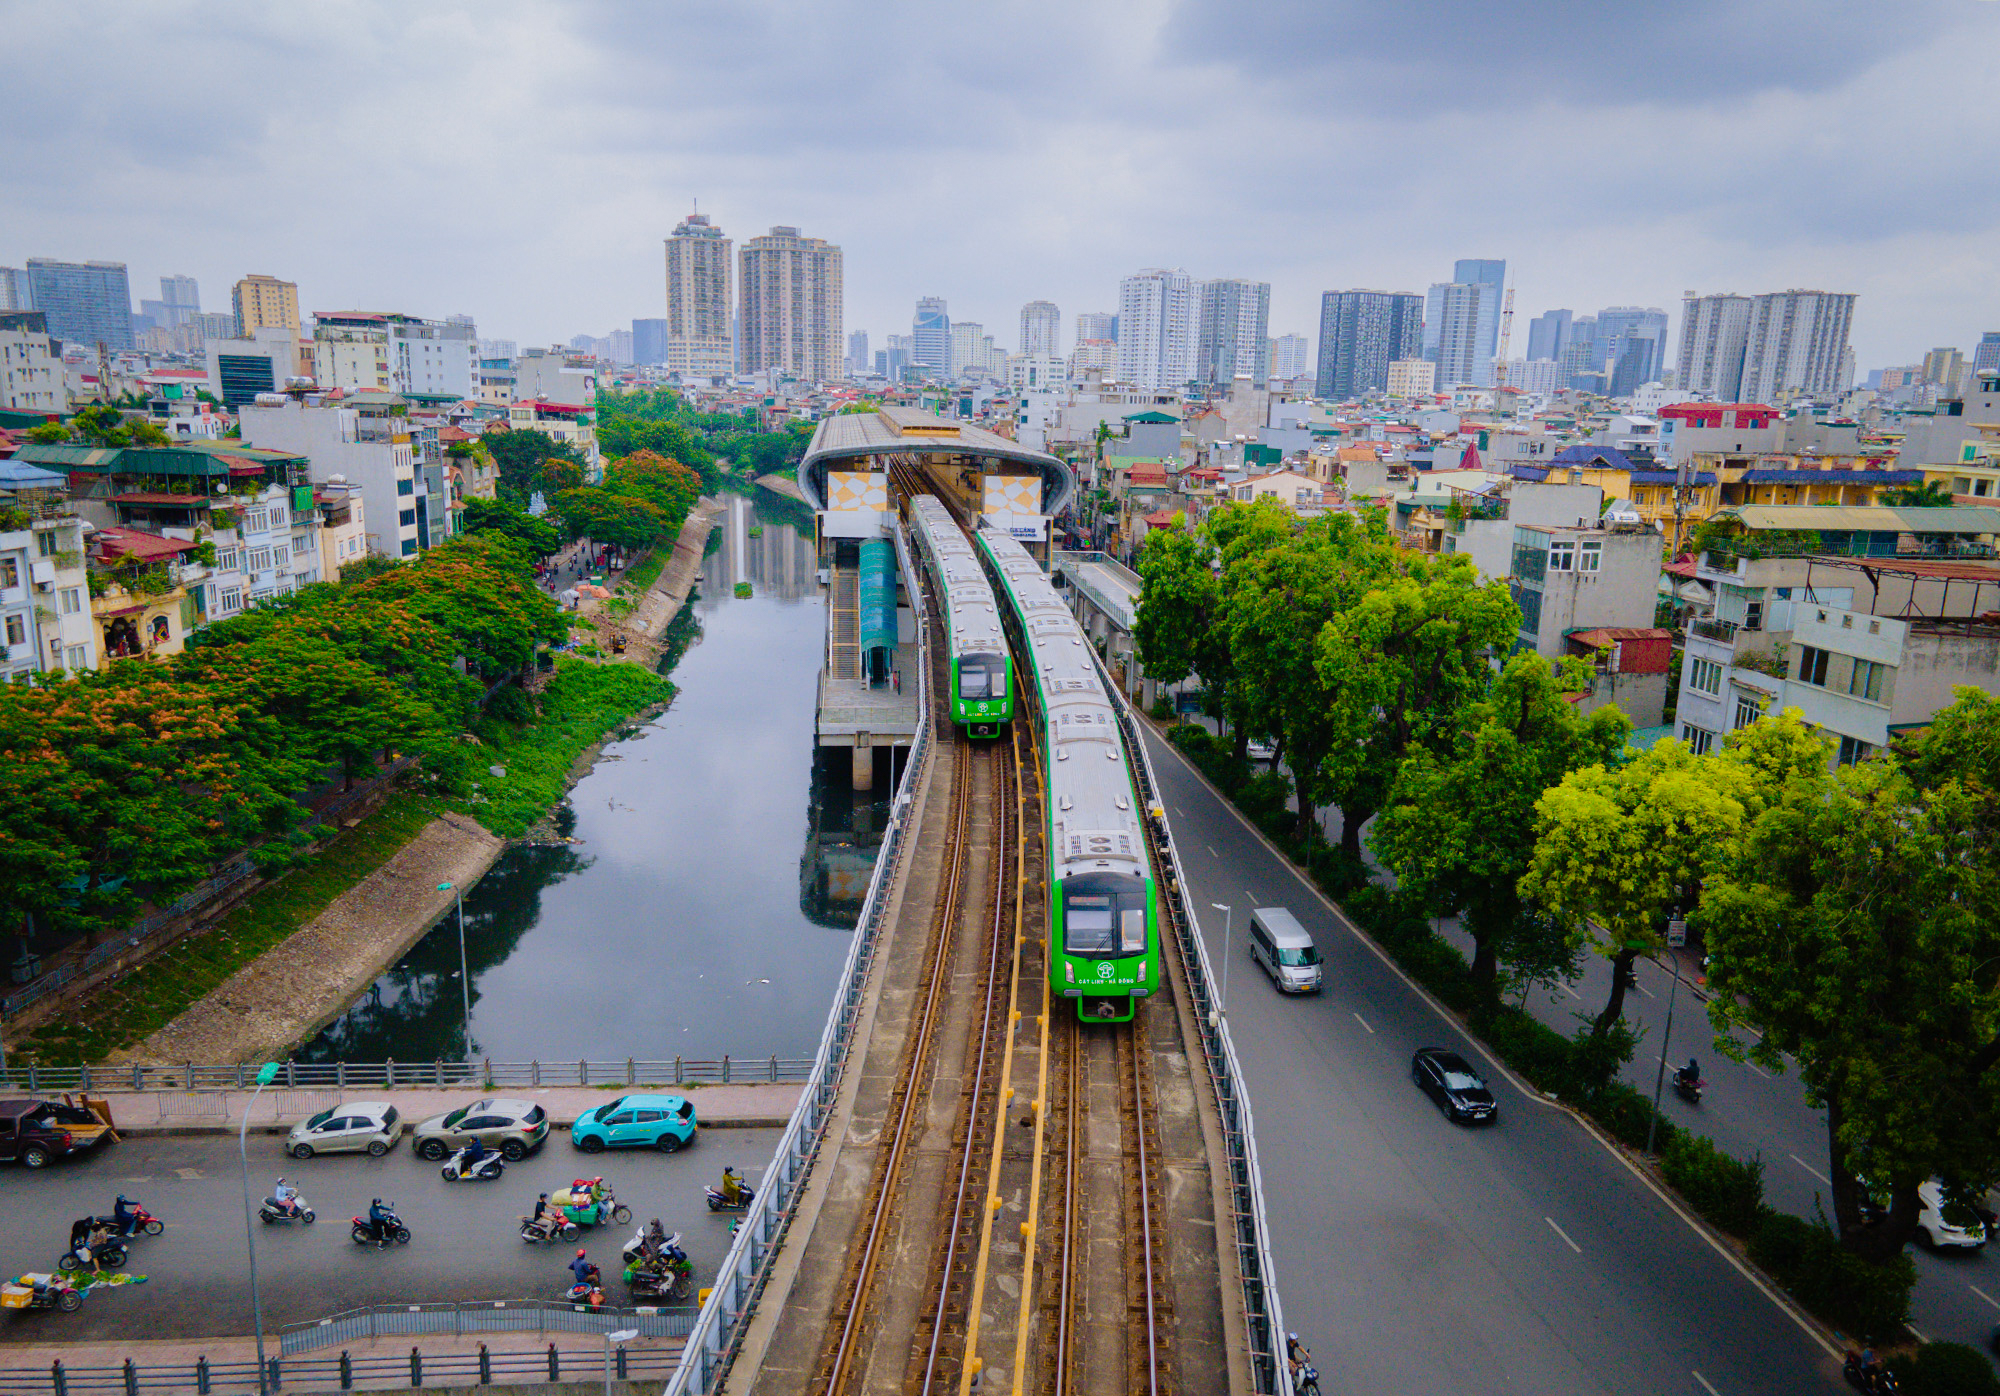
point(36, 1131)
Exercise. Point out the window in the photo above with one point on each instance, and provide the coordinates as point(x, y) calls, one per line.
point(1866, 680)
point(226, 559)
point(1812, 666)
point(1705, 676)
point(408, 518)
point(72, 601)
point(1591, 558)
point(76, 658)
point(17, 630)
point(10, 574)
point(1562, 557)
point(1699, 739)
point(231, 602)
point(260, 560)
point(410, 487)
point(409, 546)
point(302, 544)
point(45, 542)
point(278, 516)
point(1748, 710)
point(256, 521)
point(279, 557)
point(1852, 750)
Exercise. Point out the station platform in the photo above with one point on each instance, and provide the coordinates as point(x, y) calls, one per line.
point(862, 717)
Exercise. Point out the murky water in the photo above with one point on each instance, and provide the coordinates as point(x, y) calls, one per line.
point(702, 909)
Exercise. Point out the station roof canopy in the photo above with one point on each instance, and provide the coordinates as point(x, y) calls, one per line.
point(905, 431)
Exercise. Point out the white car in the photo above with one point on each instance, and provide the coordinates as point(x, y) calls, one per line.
point(1943, 1225)
point(1260, 750)
point(359, 1126)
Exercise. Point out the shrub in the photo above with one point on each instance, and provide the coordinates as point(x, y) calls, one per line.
point(1869, 1301)
point(1264, 797)
point(1629, 1116)
point(1162, 708)
point(1726, 1190)
point(1192, 738)
point(1948, 1369)
point(1530, 1046)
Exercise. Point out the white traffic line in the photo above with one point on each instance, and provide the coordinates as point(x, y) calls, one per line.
point(1915, 1334)
point(1705, 1386)
point(1984, 1295)
point(1571, 992)
point(1364, 1023)
point(1212, 853)
point(1564, 1234)
point(1815, 1172)
point(1758, 1069)
point(1644, 990)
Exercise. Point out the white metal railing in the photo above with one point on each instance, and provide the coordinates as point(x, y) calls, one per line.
point(717, 1334)
point(392, 1075)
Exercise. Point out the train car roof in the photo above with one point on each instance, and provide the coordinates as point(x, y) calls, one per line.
point(972, 616)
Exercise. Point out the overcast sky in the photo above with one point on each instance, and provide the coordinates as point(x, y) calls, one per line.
point(522, 162)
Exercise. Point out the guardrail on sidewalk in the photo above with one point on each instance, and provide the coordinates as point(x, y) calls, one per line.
point(1246, 1181)
point(492, 1316)
point(345, 1372)
point(718, 1331)
point(342, 1076)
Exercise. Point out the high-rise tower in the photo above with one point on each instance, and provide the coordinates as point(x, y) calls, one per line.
point(791, 298)
point(700, 342)
point(1041, 329)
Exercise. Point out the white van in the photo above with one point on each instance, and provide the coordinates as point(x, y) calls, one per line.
point(1280, 944)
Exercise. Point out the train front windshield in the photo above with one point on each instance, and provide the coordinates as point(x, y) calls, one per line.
point(1104, 915)
point(982, 676)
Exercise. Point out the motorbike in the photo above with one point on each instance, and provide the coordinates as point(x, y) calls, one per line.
point(489, 1167)
point(143, 1223)
point(558, 1228)
point(655, 1264)
point(272, 1210)
point(1878, 1382)
point(589, 1292)
point(41, 1292)
point(110, 1253)
point(392, 1230)
point(590, 1202)
point(1689, 1088)
point(718, 1200)
point(1307, 1381)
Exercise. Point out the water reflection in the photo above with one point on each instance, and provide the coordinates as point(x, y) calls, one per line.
point(675, 925)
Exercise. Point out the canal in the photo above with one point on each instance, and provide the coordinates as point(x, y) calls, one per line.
point(702, 908)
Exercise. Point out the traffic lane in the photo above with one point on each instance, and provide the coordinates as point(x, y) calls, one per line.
point(1750, 1112)
point(465, 1236)
point(1625, 1316)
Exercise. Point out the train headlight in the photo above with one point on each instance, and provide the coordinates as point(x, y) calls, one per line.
point(1069, 970)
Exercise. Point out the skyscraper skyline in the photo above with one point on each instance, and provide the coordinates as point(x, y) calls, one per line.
point(1548, 335)
point(1232, 331)
point(1797, 343)
point(930, 335)
point(1096, 325)
point(1360, 334)
point(87, 303)
point(1041, 329)
point(1453, 315)
point(1631, 345)
point(699, 331)
point(1713, 330)
point(792, 289)
point(1158, 318)
point(1490, 272)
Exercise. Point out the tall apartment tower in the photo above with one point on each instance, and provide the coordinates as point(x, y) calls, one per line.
point(1548, 335)
point(1944, 366)
point(1797, 343)
point(1096, 325)
point(263, 302)
point(1713, 331)
point(182, 297)
point(1454, 311)
point(699, 334)
point(1490, 272)
point(1158, 325)
point(1985, 356)
point(930, 336)
point(1041, 330)
point(857, 353)
point(791, 298)
point(14, 293)
point(1632, 344)
point(1291, 357)
point(1360, 334)
point(87, 303)
point(1234, 332)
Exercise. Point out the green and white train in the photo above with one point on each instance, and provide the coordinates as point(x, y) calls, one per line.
point(1104, 916)
point(981, 676)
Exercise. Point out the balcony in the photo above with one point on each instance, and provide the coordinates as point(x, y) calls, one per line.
point(1723, 631)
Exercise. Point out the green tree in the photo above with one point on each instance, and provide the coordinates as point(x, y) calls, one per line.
point(623, 522)
point(1459, 829)
point(1178, 626)
point(537, 535)
point(518, 456)
point(1925, 494)
point(1857, 927)
point(664, 483)
point(49, 434)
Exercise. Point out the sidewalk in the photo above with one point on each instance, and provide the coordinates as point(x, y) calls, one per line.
point(275, 1111)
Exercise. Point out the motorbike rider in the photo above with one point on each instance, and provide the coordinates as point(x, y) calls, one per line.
point(732, 1186)
point(124, 1214)
point(285, 1196)
point(1690, 1075)
point(474, 1152)
point(82, 1241)
point(379, 1218)
point(545, 1217)
point(1296, 1353)
point(584, 1272)
point(1871, 1369)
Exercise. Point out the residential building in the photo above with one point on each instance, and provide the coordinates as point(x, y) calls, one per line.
point(31, 367)
point(1411, 378)
point(180, 301)
point(1944, 367)
point(700, 333)
point(1592, 590)
point(1861, 678)
point(791, 297)
point(14, 290)
point(87, 303)
point(555, 375)
point(1631, 345)
point(1490, 273)
point(1733, 428)
point(1300, 493)
point(564, 421)
point(1158, 326)
point(1714, 331)
point(240, 369)
point(1096, 325)
point(857, 353)
point(1360, 334)
point(144, 614)
point(45, 621)
point(1537, 377)
point(649, 344)
point(497, 378)
point(366, 440)
point(1041, 329)
point(1548, 334)
point(1291, 358)
point(969, 343)
point(930, 336)
point(343, 525)
point(1986, 356)
point(262, 301)
point(1454, 313)
point(1796, 344)
point(1098, 356)
point(1234, 330)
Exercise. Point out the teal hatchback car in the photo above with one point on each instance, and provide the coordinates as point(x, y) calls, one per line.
point(663, 1122)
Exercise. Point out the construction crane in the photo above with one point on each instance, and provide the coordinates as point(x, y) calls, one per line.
point(1506, 334)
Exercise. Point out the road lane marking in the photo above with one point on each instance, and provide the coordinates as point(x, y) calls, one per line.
point(1758, 1069)
point(1364, 1023)
point(1915, 1334)
point(1644, 990)
point(1564, 1234)
point(188, 1174)
point(1212, 853)
point(1984, 1295)
point(1705, 1386)
point(1571, 992)
point(1817, 1174)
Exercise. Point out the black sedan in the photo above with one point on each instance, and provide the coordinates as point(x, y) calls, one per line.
point(1446, 1078)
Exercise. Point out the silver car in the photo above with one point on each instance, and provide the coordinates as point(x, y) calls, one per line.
point(515, 1127)
point(360, 1125)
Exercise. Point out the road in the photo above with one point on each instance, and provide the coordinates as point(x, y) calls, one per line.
point(1417, 1256)
point(1748, 1111)
point(466, 1239)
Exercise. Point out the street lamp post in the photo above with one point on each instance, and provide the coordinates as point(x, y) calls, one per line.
point(264, 1075)
point(1666, 1041)
point(1222, 1003)
point(464, 979)
point(623, 1335)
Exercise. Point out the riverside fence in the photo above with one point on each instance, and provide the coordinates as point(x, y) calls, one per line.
point(342, 1076)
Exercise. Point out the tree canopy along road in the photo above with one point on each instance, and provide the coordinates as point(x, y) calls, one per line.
point(1417, 1255)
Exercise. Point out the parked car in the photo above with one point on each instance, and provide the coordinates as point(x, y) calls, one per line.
point(515, 1127)
point(1449, 1079)
point(370, 1125)
point(1258, 749)
point(36, 1131)
point(663, 1122)
point(1946, 1224)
